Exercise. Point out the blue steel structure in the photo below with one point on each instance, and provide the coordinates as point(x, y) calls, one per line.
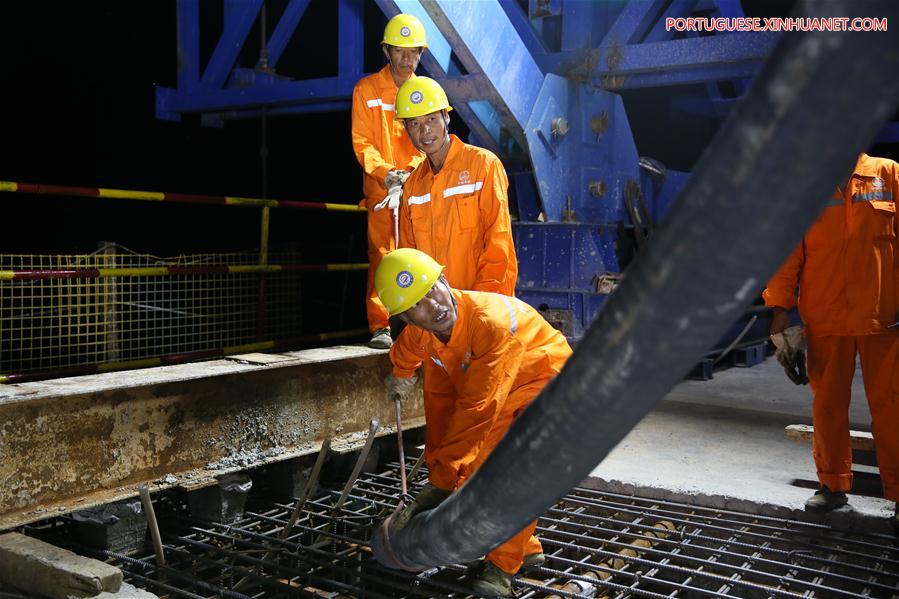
point(537, 82)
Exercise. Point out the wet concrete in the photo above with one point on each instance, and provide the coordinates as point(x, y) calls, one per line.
point(721, 443)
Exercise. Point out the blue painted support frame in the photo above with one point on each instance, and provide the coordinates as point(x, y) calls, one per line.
point(287, 24)
point(675, 62)
point(633, 23)
point(239, 18)
point(486, 42)
point(188, 34)
point(226, 92)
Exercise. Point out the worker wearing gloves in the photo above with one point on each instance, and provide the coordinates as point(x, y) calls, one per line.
point(494, 355)
point(847, 272)
point(385, 152)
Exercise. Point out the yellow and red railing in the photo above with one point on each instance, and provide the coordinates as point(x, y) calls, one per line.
point(157, 271)
point(81, 315)
point(161, 196)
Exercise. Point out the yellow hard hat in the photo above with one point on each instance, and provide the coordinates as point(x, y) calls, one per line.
point(405, 31)
point(419, 96)
point(403, 277)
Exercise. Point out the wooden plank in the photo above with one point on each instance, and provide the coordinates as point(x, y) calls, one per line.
point(803, 433)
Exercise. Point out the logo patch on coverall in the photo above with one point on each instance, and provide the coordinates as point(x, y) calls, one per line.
point(878, 183)
point(464, 177)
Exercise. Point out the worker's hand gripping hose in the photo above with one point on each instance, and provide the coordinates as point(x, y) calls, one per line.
point(754, 192)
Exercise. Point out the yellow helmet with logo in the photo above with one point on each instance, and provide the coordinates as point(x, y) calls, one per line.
point(405, 31)
point(403, 277)
point(419, 96)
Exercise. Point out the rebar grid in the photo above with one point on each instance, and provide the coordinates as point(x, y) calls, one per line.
point(66, 322)
point(598, 544)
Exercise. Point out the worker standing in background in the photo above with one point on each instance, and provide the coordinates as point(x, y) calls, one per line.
point(847, 272)
point(385, 152)
point(495, 354)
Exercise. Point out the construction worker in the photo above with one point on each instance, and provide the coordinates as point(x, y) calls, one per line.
point(495, 353)
point(385, 152)
point(847, 272)
point(455, 206)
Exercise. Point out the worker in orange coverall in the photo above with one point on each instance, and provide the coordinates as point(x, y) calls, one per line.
point(494, 353)
point(847, 272)
point(385, 152)
point(455, 206)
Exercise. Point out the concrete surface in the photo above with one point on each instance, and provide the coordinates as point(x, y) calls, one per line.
point(721, 443)
point(33, 565)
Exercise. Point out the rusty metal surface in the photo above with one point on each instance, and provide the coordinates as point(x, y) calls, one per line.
point(72, 443)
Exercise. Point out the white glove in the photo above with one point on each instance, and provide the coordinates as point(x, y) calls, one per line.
point(402, 388)
point(790, 352)
point(395, 178)
point(392, 200)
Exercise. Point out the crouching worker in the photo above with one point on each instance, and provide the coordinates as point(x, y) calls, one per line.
point(495, 354)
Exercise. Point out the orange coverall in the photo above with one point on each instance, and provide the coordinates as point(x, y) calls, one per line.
point(381, 145)
point(460, 217)
point(847, 272)
point(500, 355)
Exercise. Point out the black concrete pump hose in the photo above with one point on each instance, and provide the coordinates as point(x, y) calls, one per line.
point(819, 100)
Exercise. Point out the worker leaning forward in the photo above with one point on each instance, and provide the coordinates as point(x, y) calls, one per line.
point(847, 272)
point(455, 208)
point(495, 354)
point(385, 152)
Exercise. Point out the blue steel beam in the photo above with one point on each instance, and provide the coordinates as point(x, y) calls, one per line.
point(327, 89)
point(522, 24)
point(634, 22)
point(188, 34)
point(287, 24)
point(239, 18)
point(485, 41)
point(351, 33)
point(674, 62)
point(677, 8)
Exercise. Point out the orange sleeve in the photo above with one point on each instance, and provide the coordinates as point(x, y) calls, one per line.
point(497, 267)
point(783, 287)
point(414, 162)
point(363, 132)
point(486, 386)
point(407, 353)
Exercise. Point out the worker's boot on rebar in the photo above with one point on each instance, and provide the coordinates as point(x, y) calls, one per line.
point(381, 339)
point(825, 500)
point(534, 560)
point(492, 582)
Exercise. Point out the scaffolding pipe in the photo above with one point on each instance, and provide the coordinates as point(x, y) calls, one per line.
point(756, 189)
point(164, 196)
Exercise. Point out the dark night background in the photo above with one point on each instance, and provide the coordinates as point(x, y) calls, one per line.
point(78, 83)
